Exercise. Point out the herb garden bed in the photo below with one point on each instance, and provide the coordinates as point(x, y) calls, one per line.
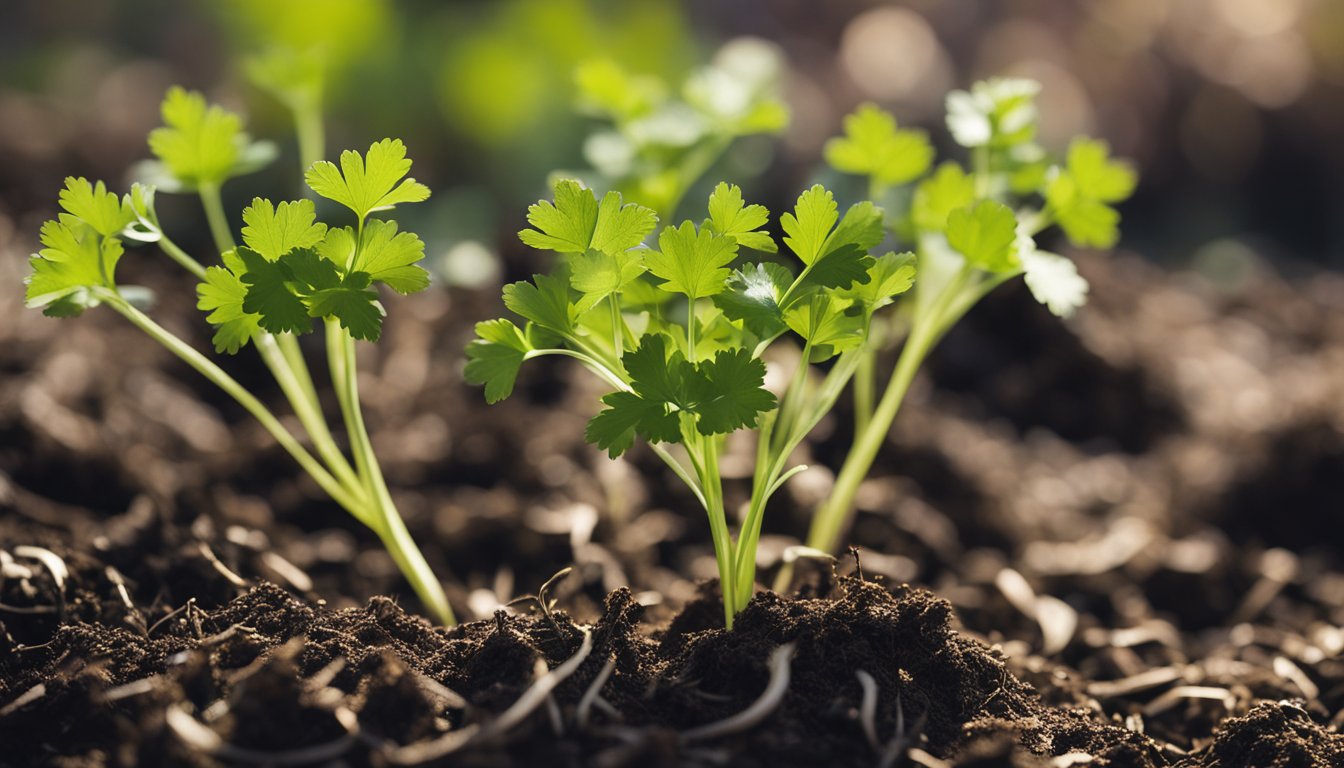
point(1088, 504)
point(1190, 640)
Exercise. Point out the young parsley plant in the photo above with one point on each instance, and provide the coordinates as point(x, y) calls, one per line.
point(290, 272)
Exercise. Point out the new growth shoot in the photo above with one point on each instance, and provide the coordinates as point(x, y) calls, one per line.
point(677, 319)
point(290, 272)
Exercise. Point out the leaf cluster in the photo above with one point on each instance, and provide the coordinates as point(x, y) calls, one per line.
point(292, 269)
point(696, 365)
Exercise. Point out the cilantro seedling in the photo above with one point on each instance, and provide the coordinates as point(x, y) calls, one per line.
point(971, 231)
point(290, 272)
point(695, 371)
point(677, 320)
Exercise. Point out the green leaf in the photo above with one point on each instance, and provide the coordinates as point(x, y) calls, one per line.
point(626, 415)
point(1098, 176)
point(598, 274)
point(368, 183)
point(822, 320)
point(302, 285)
point(199, 143)
point(808, 227)
point(74, 260)
point(1079, 194)
point(354, 305)
point(544, 301)
point(605, 88)
point(576, 222)
point(273, 231)
point(1054, 281)
point(986, 234)
point(621, 227)
point(221, 294)
point(844, 256)
point(692, 263)
point(566, 226)
point(729, 215)
point(494, 358)
point(734, 394)
point(872, 146)
point(107, 213)
point(662, 386)
point(386, 255)
point(274, 294)
point(948, 189)
point(888, 277)
point(753, 297)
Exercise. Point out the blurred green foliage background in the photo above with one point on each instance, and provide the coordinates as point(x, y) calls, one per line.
point(1233, 109)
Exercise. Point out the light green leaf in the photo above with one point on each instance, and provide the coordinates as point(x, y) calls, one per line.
point(986, 234)
point(566, 225)
point(386, 255)
point(576, 222)
point(494, 358)
point(1098, 176)
point(823, 321)
point(107, 213)
point(948, 189)
point(753, 297)
point(74, 260)
point(221, 294)
point(872, 146)
point(807, 228)
point(729, 215)
point(692, 263)
point(545, 301)
point(199, 143)
point(273, 231)
point(888, 277)
point(598, 274)
point(368, 183)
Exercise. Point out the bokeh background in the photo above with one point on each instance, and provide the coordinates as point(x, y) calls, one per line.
point(1232, 109)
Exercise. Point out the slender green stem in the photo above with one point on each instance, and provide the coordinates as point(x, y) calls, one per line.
point(617, 326)
point(690, 330)
point(214, 214)
point(336, 361)
point(387, 521)
point(348, 498)
point(865, 381)
point(834, 514)
point(305, 408)
point(712, 483)
point(312, 136)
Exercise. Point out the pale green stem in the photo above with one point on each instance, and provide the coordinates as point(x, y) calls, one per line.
point(712, 483)
point(312, 136)
point(305, 408)
point(834, 514)
point(214, 214)
point(350, 500)
point(617, 326)
point(387, 522)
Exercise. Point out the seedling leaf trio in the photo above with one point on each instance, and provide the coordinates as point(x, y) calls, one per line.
point(681, 319)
